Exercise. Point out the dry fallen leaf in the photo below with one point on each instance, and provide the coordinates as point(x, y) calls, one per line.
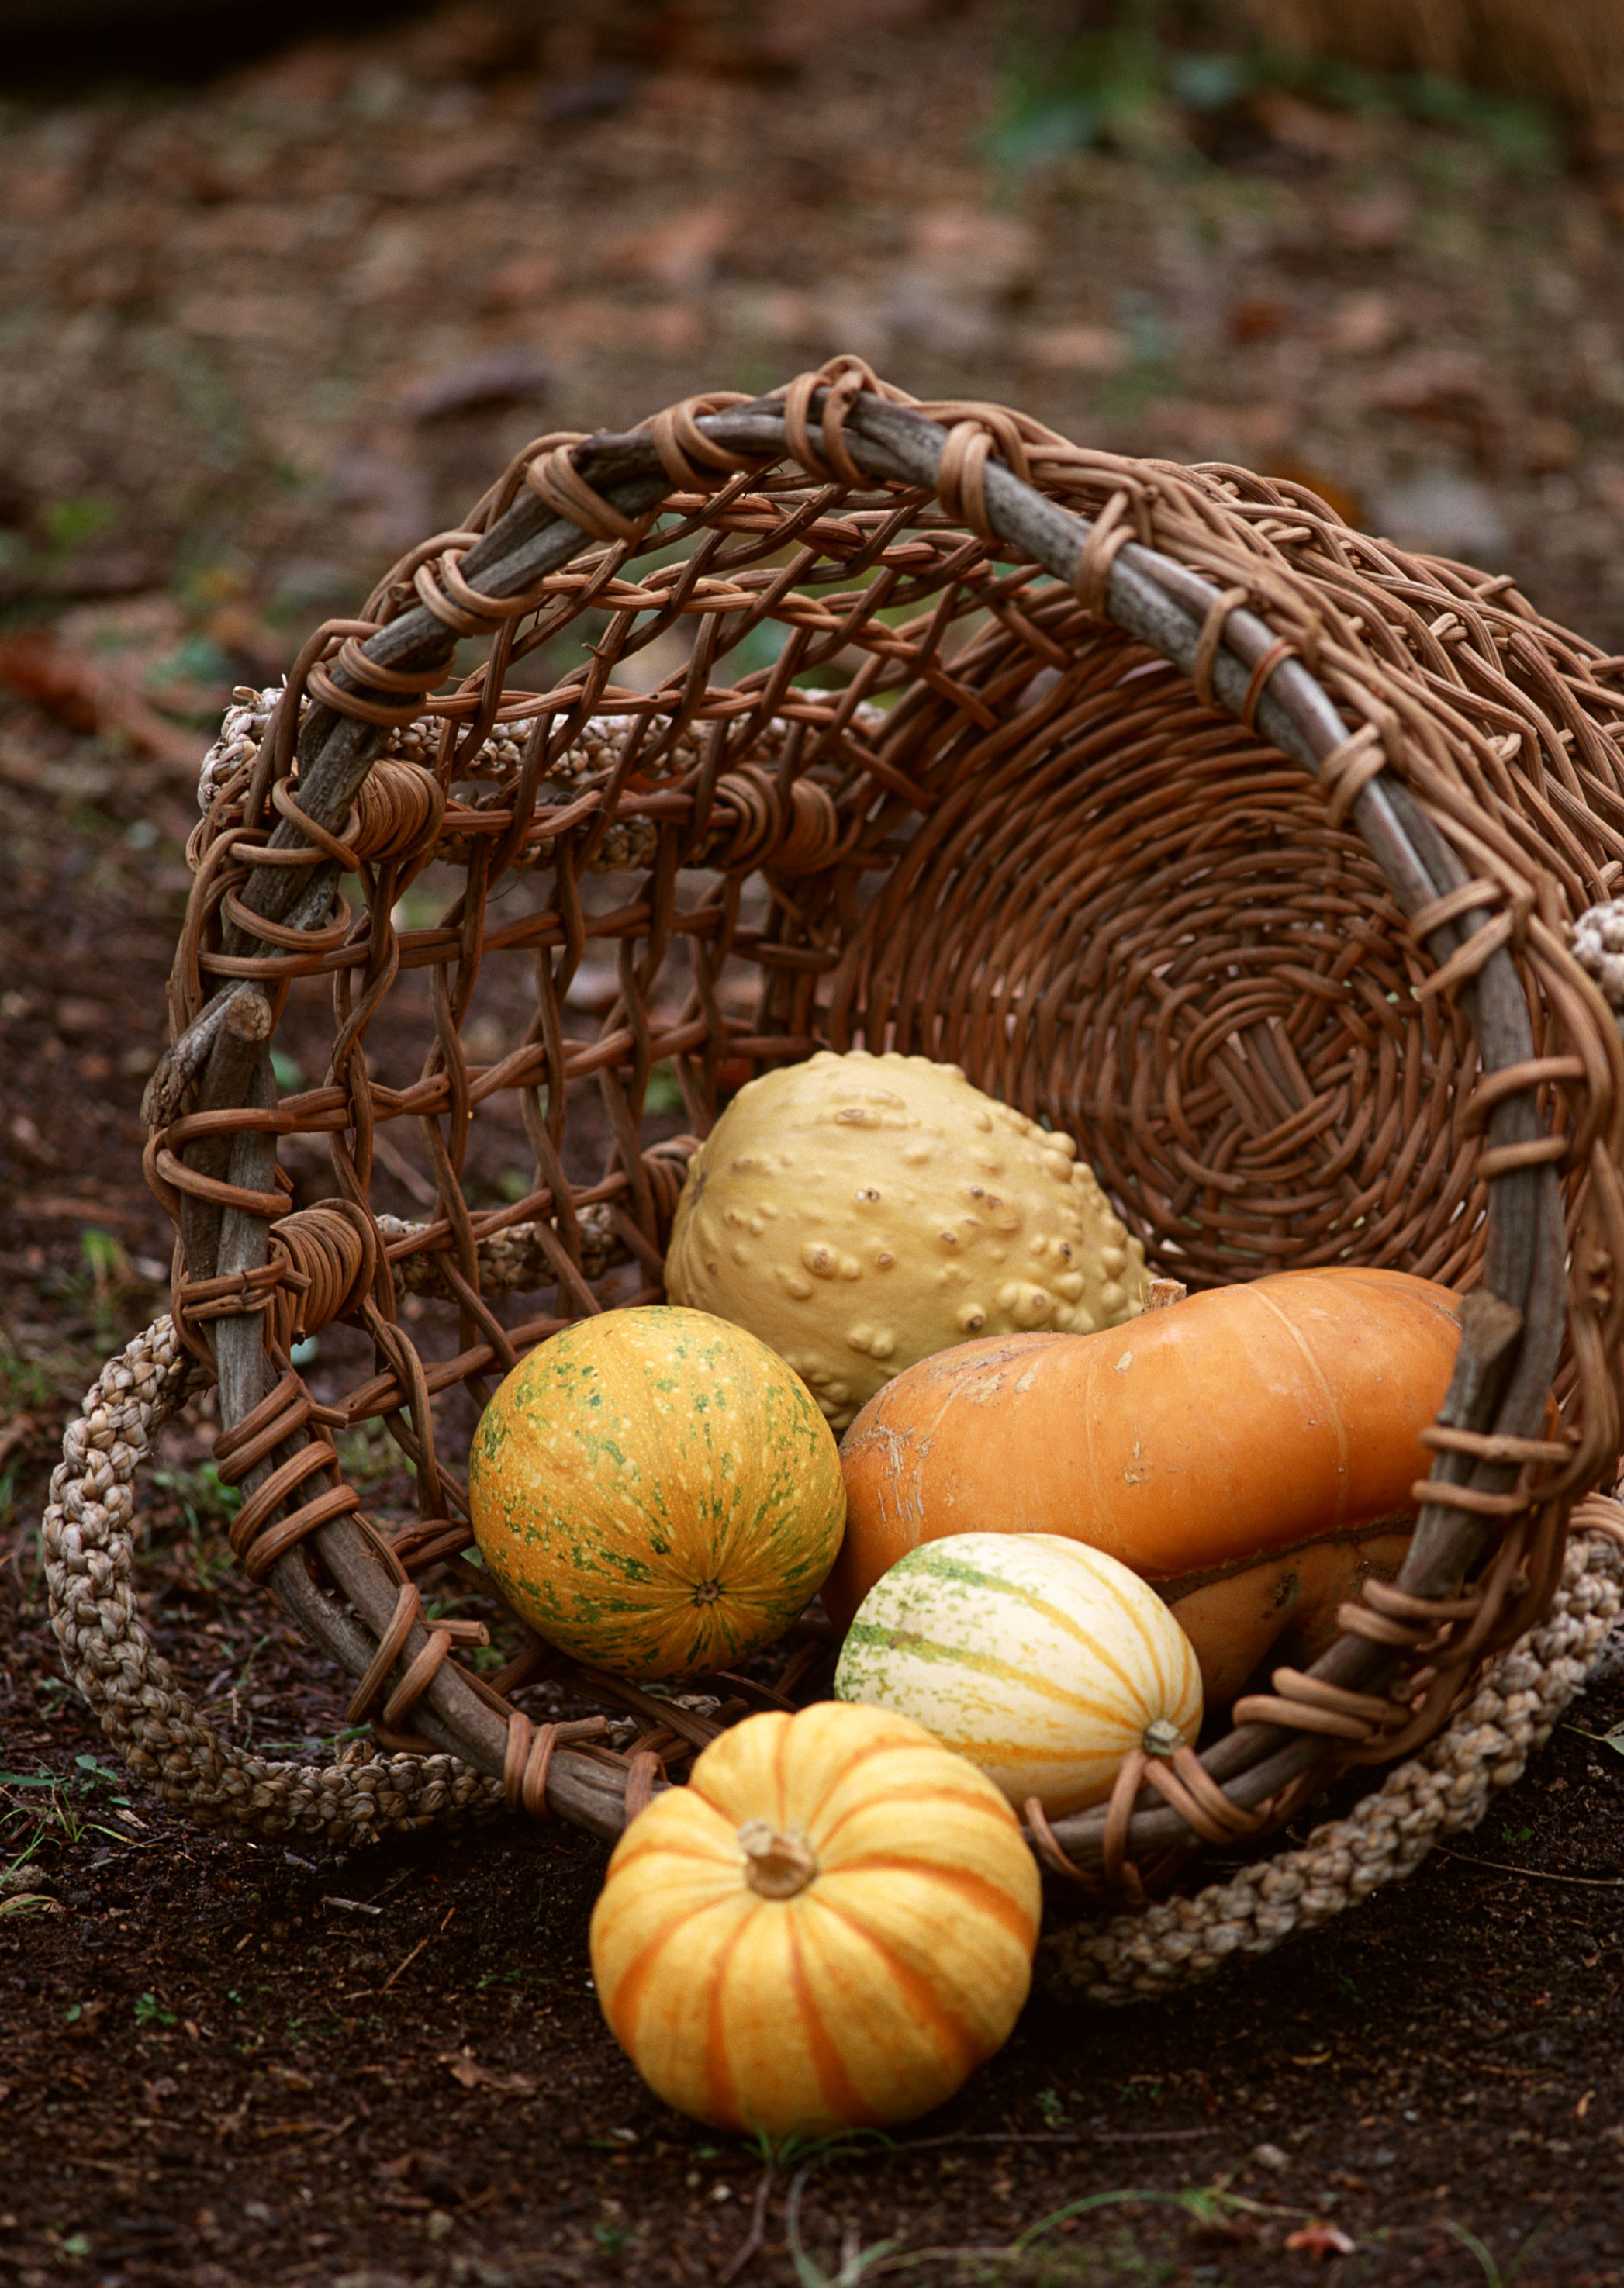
point(1363, 324)
point(466, 2069)
point(1078, 348)
point(88, 695)
point(1319, 2239)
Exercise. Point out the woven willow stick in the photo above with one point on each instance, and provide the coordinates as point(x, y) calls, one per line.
point(1511, 1340)
point(450, 1714)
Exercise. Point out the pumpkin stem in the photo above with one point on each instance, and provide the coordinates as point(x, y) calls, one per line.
point(1162, 1738)
point(776, 1864)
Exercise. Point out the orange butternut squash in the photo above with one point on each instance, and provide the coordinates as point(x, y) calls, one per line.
point(1250, 1450)
point(1283, 1604)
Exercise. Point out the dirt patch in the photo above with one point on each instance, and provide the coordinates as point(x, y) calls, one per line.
point(268, 330)
point(231, 2064)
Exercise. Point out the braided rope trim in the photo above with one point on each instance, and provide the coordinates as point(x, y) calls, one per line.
point(1443, 1791)
point(170, 1744)
point(402, 810)
point(111, 1661)
point(1597, 942)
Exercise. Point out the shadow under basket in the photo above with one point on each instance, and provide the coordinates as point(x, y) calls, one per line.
point(1232, 842)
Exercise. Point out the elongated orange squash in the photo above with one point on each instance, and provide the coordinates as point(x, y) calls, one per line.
point(1262, 1422)
point(1284, 1604)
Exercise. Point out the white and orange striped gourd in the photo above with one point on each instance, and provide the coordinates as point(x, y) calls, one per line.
point(1040, 1659)
point(830, 1926)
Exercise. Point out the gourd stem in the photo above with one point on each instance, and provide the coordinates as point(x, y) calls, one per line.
point(775, 1864)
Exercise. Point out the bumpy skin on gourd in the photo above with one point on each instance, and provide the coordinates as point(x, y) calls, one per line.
point(860, 1212)
point(898, 1960)
point(1212, 1447)
point(654, 1490)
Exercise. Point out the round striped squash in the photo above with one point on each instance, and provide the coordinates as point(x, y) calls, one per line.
point(654, 1491)
point(1040, 1659)
point(831, 1926)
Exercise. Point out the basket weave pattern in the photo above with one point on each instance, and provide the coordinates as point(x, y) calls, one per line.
point(1177, 814)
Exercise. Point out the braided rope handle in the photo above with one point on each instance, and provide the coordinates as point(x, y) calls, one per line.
point(115, 1665)
point(1443, 1791)
point(168, 1742)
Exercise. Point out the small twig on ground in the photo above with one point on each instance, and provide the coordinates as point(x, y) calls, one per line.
point(1205, 2206)
point(757, 2232)
point(404, 1963)
point(385, 1149)
point(756, 2238)
point(1534, 1874)
point(1058, 2137)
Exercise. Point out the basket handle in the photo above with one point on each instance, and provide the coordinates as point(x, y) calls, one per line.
point(162, 1736)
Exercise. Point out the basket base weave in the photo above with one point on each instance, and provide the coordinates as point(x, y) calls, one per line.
point(112, 1663)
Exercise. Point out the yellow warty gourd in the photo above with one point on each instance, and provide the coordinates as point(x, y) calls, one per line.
point(831, 1926)
point(860, 1212)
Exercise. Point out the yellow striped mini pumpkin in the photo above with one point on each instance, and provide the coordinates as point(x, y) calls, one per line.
point(830, 1926)
point(1040, 1659)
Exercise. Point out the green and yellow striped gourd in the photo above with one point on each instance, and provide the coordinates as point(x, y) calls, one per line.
point(654, 1491)
point(1040, 1659)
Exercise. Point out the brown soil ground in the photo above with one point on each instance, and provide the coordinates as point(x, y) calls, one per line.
point(263, 328)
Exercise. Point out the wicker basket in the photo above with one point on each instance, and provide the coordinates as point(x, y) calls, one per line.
point(1177, 813)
